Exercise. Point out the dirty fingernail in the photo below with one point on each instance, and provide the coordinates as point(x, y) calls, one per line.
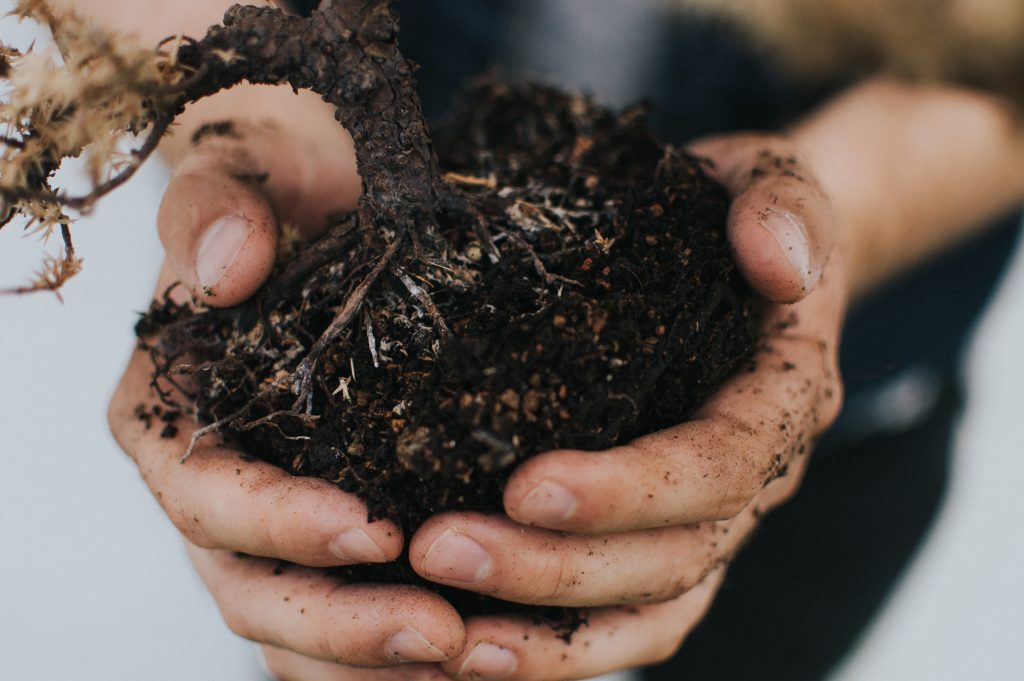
point(355, 546)
point(219, 248)
point(791, 235)
point(454, 557)
point(549, 503)
point(488, 661)
point(409, 645)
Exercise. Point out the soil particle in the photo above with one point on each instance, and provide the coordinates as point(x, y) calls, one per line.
point(215, 129)
point(545, 312)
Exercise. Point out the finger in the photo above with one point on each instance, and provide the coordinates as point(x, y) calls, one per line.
point(220, 214)
point(220, 500)
point(780, 222)
point(286, 665)
point(711, 467)
point(497, 557)
point(617, 638)
point(315, 615)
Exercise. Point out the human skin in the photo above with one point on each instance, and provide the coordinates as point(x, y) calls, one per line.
point(695, 491)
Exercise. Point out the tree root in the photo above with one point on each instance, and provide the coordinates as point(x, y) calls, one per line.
point(214, 427)
point(304, 373)
point(425, 300)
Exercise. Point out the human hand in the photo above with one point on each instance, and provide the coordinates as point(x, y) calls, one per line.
point(655, 521)
point(219, 222)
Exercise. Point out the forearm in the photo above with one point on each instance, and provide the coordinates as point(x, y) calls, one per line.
point(150, 21)
point(911, 169)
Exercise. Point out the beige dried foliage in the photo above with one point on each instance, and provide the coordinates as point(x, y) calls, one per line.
point(87, 96)
point(51, 276)
point(977, 42)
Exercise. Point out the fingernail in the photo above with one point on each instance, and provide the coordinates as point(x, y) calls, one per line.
point(488, 661)
point(454, 557)
point(409, 645)
point(355, 546)
point(219, 247)
point(549, 503)
point(790, 234)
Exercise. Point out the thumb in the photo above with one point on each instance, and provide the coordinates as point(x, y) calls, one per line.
point(219, 233)
point(218, 229)
point(780, 222)
point(219, 217)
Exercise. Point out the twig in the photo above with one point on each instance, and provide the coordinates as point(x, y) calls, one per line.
point(483, 233)
point(457, 202)
point(193, 369)
point(304, 372)
point(85, 201)
point(326, 250)
point(420, 294)
point(213, 427)
point(306, 420)
point(458, 178)
point(371, 340)
point(538, 264)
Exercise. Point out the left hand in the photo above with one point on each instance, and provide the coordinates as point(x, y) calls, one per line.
point(642, 531)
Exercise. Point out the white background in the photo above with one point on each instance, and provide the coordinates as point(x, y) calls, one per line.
point(94, 583)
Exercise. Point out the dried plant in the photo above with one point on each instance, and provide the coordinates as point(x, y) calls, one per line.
point(977, 43)
point(567, 284)
point(87, 96)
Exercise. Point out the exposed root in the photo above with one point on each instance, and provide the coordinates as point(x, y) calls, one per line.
point(425, 300)
point(324, 252)
point(538, 264)
point(214, 427)
point(271, 418)
point(371, 341)
point(304, 372)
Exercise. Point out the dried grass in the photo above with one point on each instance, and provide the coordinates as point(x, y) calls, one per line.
point(975, 42)
point(84, 97)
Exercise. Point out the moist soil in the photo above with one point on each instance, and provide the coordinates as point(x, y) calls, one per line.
point(576, 291)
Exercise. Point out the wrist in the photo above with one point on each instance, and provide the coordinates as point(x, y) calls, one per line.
point(911, 169)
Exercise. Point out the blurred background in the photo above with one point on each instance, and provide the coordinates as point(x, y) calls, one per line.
point(94, 583)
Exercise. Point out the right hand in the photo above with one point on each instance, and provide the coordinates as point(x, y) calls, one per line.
point(219, 225)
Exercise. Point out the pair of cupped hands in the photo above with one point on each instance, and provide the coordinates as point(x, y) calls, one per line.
point(641, 533)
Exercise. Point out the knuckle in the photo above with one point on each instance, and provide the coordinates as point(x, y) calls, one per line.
point(672, 588)
point(551, 583)
point(278, 532)
point(121, 419)
point(746, 480)
point(274, 661)
point(272, 536)
point(733, 504)
point(831, 393)
point(331, 646)
point(664, 648)
point(834, 396)
point(788, 490)
point(189, 524)
point(692, 571)
point(115, 413)
point(197, 536)
point(236, 621)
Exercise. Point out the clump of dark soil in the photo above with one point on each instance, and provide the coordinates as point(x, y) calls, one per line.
point(542, 273)
point(586, 296)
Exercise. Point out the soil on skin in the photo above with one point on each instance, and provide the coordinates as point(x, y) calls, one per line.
point(579, 292)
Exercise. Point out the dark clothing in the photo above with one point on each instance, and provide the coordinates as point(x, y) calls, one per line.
point(820, 566)
point(798, 597)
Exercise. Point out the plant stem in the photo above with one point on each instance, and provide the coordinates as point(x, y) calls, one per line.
point(347, 52)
